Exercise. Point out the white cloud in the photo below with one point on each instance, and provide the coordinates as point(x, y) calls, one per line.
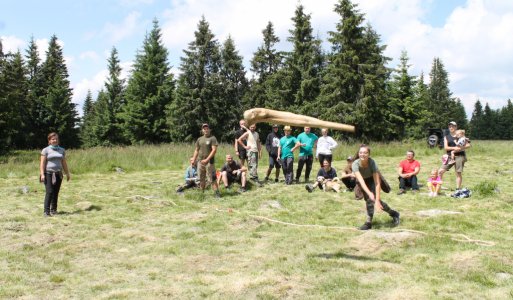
point(95, 84)
point(117, 32)
point(89, 55)
point(12, 44)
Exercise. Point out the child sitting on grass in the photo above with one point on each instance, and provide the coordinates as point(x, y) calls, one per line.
point(434, 183)
point(462, 141)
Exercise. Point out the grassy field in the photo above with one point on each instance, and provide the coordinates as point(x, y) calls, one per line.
point(128, 235)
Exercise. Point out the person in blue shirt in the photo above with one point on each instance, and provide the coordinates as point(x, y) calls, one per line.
point(288, 144)
point(307, 141)
point(191, 177)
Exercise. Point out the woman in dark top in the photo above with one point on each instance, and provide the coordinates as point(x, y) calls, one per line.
point(53, 162)
point(366, 171)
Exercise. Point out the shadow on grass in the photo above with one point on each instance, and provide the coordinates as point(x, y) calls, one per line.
point(342, 255)
point(79, 211)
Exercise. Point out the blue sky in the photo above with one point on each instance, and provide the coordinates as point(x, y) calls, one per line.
point(472, 37)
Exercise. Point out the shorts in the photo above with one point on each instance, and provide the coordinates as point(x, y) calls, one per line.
point(233, 178)
point(207, 169)
point(273, 162)
point(243, 154)
point(460, 163)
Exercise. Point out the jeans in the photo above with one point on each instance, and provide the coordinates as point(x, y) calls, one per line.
point(323, 157)
point(308, 159)
point(369, 204)
point(287, 165)
point(412, 181)
point(52, 192)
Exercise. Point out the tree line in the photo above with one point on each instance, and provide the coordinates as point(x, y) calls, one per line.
point(348, 83)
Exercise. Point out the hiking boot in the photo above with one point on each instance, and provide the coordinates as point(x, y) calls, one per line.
point(365, 226)
point(243, 189)
point(179, 190)
point(395, 217)
point(47, 214)
point(276, 180)
point(309, 188)
point(218, 194)
point(53, 212)
point(401, 191)
point(266, 179)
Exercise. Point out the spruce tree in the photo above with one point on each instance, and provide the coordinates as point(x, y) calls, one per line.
point(59, 113)
point(353, 89)
point(476, 122)
point(9, 97)
point(150, 90)
point(489, 122)
point(199, 96)
point(108, 119)
point(235, 85)
point(440, 96)
point(35, 108)
point(87, 135)
point(303, 66)
point(266, 62)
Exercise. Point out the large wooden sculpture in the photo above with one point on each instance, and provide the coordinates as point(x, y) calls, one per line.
point(256, 115)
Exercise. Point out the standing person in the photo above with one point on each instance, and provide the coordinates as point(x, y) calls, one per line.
point(307, 141)
point(459, 155)
point(367, 173)
point(348, 178)
point(253, 148)
point(205, 150)
point(240, 150)
point(233, 172)
point(191, 177)
point(325, 145)
point(271, 144)
point(407, 171)
point(288, 144)
point(53, 162)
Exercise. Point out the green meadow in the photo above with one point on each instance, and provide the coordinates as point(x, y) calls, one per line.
point(123, 232)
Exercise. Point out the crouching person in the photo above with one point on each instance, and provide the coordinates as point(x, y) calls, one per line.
point(326, 179)
point(191, 177)
point(233, 172)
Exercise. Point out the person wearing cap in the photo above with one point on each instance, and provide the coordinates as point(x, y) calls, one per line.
point(407, 170)
point(271, 144)
point(288, 144)
point(325, 145)
point(205, 150)
point(348, 177)
point(307, 142)
point(254, 149)
point(460, 156)
point(240, 149)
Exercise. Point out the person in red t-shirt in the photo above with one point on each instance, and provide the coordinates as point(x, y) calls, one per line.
point(407, 171)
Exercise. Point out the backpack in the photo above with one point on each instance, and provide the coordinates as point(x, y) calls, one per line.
point(463, 193)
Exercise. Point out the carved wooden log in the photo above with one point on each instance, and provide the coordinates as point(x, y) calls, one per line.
point(256, 115)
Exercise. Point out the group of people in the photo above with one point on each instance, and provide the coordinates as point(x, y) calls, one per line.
point(360, 174)
point(455, 144)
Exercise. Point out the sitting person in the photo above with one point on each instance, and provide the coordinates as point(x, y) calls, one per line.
point(348, 177)
point(326, 179)
point(460, 145)
point(191, 177)
point(233, 172)
point(434, 184)
point(407, 171)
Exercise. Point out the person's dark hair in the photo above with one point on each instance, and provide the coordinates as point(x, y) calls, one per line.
point(51, 135)
point(411, 152)
point(326, 161)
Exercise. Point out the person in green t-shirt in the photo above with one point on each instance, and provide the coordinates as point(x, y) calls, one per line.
point(205, 150)
point(307, 141)
point(367, 175)
point(288, 144)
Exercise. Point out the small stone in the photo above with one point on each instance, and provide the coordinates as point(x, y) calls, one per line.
point(272, 204)
point(503, 276)
point(84, 205)
point(25, 189)
point(119, 170)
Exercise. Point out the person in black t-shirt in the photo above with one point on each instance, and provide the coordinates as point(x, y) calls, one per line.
point(233, 172)
point(240, 151)
point(271, 144)
point(326, 179)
